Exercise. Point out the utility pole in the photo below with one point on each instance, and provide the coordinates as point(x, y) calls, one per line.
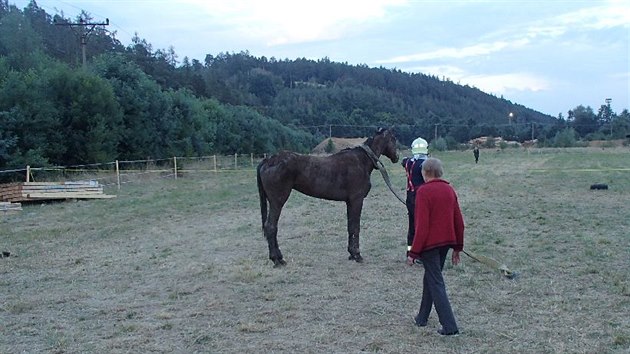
point(86, 29)
point(609, 115)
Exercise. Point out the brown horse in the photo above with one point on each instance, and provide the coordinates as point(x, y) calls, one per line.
point(344, 176)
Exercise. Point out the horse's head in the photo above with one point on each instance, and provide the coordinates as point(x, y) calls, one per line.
point(384, 143)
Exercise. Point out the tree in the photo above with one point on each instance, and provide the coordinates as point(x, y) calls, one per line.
point(31, 125)
point(18, 40)
point(193, 132)
point(621, 125)
point(90, 115)
point(583, 120)
point(145, 122)
point(565, 138)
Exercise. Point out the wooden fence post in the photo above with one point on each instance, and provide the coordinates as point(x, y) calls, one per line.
point(175, 165)
point(28, 173)
point(215, 162)
point(252, 158)
point(117, 175)
point(236, 161)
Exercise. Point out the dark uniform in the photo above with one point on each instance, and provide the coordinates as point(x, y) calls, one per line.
point(413, 168)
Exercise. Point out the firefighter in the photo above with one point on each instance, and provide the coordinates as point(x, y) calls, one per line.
point(413, 168)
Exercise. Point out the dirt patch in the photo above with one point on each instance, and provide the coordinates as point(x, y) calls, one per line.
point(338, 144)
point(606, 143)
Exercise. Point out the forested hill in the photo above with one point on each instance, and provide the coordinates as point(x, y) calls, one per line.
point(135, 101)
point(311, 93)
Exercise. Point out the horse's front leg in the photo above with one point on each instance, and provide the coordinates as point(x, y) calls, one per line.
point(354, 224)
point(271, 233)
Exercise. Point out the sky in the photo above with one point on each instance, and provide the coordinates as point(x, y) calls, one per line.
point(550, 56)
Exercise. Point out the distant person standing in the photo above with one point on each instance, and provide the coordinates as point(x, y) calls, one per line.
point(439, 227)
point(413, 168)
point(476, 153)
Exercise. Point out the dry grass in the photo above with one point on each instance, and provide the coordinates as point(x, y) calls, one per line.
point(181, 266)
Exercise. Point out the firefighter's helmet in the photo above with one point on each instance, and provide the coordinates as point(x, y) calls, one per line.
point(419, 146)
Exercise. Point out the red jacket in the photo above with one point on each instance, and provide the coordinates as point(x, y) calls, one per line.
point(438, 218)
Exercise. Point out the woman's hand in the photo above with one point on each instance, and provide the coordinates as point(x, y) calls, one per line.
point(455, 257)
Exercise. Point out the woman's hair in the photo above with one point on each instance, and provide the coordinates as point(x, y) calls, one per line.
point(432, 167)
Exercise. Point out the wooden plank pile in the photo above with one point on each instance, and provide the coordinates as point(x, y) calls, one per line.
point(6, 207)
point(34, 191)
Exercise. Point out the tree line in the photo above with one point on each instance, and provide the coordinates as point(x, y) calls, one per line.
point(136, 102)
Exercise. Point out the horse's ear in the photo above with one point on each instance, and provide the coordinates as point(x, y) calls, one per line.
point(380, 130)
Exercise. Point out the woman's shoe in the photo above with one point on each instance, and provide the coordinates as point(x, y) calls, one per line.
point(418, 322)
point(444, 333)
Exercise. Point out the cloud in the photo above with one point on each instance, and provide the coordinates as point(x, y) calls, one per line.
point(456, 53)
point(520, 40)
point(496, 84)
point(613, 14)
point(278, 22)
point(504, 83)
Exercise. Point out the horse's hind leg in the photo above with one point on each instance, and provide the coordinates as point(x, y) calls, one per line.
point(354, 224)
point(271, 233)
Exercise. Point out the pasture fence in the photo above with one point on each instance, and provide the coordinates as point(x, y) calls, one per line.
point(120, 172)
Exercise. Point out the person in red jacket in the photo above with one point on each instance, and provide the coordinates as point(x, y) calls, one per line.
point(439, 227)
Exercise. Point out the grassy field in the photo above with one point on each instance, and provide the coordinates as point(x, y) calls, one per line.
point(180, 266)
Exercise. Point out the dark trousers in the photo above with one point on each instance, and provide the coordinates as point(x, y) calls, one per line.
point(411, 207)
point(434, 290)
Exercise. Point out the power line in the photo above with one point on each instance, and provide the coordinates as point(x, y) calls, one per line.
point(85, 29)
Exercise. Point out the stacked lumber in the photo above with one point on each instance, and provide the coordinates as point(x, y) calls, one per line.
point(11, 192)
point(8, 207)
point(32, 191)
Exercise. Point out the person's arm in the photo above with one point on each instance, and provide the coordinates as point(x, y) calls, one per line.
point(421, 218)
point(459, 227)
point(459, 233)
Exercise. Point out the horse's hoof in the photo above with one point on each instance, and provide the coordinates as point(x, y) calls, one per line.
point(277, 263)
point(356, 257)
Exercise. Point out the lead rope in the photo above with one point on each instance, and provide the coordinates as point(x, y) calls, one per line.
point(379, 166)
point(505, 271)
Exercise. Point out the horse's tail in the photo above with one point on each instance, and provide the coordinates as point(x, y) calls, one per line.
point(262, 194)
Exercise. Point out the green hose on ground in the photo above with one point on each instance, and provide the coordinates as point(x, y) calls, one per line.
point(505, 271)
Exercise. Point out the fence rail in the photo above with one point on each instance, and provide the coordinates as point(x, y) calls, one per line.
point(119, 172)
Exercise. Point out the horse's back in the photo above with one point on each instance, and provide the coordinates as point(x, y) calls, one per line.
point(283, 161)
point(294, 163)
point(340, 176)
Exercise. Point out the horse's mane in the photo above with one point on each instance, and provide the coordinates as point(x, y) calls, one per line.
point(348, 149)
point(368, 141)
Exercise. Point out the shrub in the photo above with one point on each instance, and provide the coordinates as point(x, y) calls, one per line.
point(439, 144)
point(565, 138)
point(490, 143)
point(330, 147)
point(451, 143)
